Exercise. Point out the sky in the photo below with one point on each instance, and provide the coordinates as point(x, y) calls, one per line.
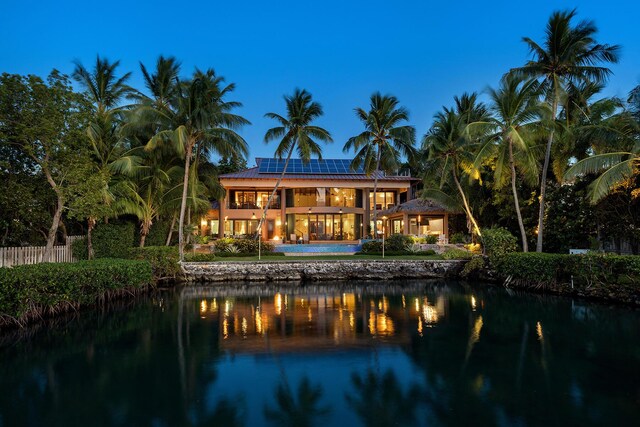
point(422, 52)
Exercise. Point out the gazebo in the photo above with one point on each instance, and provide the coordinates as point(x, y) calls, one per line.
point(417, 217)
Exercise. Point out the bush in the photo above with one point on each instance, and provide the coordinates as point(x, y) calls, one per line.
point(397, 243)
point(497, 242)
point(111, 240)
point(164, 260)
point(543, 269)
point(372, 247)
point(457, 238)
point(158, 234)
point(431, 239)
point(453, 253)
point(29, 291)
point(474, 265)
point(242, 246)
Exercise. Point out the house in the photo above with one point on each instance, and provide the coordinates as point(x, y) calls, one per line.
point(323, 200)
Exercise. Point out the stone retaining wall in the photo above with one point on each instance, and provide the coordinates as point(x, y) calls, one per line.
point(319, 270)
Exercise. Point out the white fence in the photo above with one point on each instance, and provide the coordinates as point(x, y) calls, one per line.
point(33, 254)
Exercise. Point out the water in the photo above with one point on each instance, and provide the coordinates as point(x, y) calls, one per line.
point(405, 354)
point(327, 248)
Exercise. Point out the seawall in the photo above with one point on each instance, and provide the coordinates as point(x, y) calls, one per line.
point(319, 270)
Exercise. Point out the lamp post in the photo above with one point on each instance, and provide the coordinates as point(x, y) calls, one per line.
point(384, 220)
point(308, 226)
point(259, 231)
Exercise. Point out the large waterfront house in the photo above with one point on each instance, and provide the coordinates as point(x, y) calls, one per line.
point(323, 200)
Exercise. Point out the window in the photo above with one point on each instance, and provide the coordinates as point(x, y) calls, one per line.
point(384, 199)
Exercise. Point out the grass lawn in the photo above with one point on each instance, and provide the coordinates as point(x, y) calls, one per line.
point(331, 257)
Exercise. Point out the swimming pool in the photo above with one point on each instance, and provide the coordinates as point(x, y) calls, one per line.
point(319, 248)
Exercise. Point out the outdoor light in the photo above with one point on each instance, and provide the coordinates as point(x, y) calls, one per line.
point(203, 222)
point(384, 220)
point(253, 215)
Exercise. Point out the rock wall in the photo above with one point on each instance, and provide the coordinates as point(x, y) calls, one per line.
point(319, 270)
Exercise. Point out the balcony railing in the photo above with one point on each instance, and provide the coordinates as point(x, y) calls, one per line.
point(250, 205)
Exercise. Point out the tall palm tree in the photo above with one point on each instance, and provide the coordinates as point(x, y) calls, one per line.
point(448, 148)
point(569, 55)
point(106, 91)
point(384, 141)
point(295, 133)
point(511, 130)
point(198, 116)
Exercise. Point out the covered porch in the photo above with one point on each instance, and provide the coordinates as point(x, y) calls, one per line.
point(417, 217)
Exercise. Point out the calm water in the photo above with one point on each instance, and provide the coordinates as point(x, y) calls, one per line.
point(405, 354)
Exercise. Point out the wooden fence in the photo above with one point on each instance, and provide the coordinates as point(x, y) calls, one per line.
point(33, 254)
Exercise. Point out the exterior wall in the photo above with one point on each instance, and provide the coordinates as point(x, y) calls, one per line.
point(284, 210)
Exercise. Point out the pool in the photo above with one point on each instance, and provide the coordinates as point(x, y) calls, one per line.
point(318, 248)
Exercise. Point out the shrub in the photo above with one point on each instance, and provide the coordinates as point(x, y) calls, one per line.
point(544, 269)
point(457, 238)
point(431, 239)
point(397, 243)
point(474, 265)
point(247, 246)
point(30, 291)
point(158, 234)
point(497, 242)
point(371, 247)
point(454, 253)
point(218, 256)
point(163, 259)
point(111, 240)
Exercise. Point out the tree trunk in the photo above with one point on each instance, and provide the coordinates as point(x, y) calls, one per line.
point(91, 223)
point(183, 204)
point(51, 236)
point(173, 224)
point(543, 181)
point(375, 192)
point(273, 193)
point(144, 231)
point(512, 164)
point(464, 201)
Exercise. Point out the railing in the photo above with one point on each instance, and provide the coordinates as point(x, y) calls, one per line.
point(10, 257)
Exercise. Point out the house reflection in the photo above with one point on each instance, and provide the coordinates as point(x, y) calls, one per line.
point(288, 322)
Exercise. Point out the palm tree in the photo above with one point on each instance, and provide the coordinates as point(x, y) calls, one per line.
point(514, 120)
point(569, 55)
point(449, 152)
point(295, 132)
point(106, 91)
point(198, 116)
point(384, 141)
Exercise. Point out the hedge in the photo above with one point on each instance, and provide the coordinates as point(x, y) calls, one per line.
point(164, 261)
point(31, 291)
point(543, 269)
point(111, 240)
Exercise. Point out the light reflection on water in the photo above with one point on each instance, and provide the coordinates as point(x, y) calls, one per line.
point(418, 353)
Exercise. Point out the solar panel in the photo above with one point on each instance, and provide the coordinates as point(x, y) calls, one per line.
point(314, 166)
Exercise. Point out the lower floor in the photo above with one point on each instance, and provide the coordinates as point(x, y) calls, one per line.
point(323, 226)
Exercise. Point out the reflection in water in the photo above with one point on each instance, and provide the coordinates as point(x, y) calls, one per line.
point(301, 409)
point(381, 400)
point(424, 353)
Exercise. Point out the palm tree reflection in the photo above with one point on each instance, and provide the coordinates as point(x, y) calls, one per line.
point(379, 399)
point(301, 410)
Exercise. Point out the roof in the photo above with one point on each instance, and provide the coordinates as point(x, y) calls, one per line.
point(341, 174)
point(415, 206)
point(313, 166)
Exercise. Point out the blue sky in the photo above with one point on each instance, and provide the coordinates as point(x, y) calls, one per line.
point(423, 52)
